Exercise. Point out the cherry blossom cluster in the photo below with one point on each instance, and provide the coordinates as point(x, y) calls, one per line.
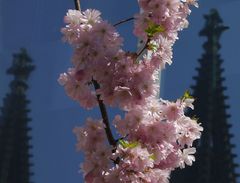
point(98, 56)
point(155, 135)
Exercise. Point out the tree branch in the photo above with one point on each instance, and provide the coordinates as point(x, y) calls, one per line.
point(143, 48)
point(77, 5)
point(102, 106)
point(103, 110)
point(123, 21)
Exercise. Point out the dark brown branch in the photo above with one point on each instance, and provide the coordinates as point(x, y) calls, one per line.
point(144, 47)
point(77, 5)
point(103, 110)
point(102, 106)
point(123, 21)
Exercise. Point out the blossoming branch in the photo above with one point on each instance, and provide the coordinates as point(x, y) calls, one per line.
point(155, 136)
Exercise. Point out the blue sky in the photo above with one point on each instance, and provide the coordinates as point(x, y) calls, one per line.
point(35, 25)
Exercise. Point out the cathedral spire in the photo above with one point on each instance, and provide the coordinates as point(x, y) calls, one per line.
point(14, 124)
point(214, 159)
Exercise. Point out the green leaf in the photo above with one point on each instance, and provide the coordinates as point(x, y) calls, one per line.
point(153, 157)
point(126, 144)
point(133, 144)
point(187, 95)
point(153, 29)
point(152, 46)
point(123, 143)
point(195, 118)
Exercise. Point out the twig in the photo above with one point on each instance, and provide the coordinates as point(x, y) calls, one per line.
point(102, 106)
point(77, 5)
point(144, 47)
point(123, 21)
point(103, 110)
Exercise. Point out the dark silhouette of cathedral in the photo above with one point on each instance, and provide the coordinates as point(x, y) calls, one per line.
point(15, 157)
point(214, 158)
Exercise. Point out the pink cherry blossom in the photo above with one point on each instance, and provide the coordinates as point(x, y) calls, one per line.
point(172, 111)
point(155, 136)
point(187, 157)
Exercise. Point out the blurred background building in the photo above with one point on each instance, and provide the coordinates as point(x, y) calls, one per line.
point(36, 25)
point(215, 160)
point(15, 157)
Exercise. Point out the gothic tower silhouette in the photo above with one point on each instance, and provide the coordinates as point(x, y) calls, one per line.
point(15, 157)
point(214, 158)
